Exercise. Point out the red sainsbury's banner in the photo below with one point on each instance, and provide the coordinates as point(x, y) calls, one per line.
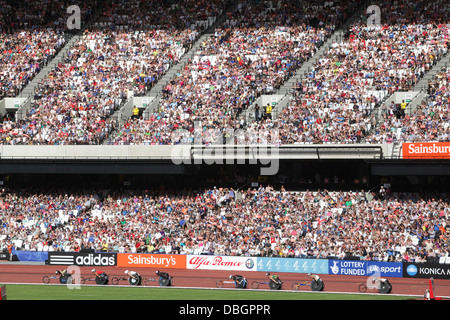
point(204, 262)
point(170, 261)
point(426, 150)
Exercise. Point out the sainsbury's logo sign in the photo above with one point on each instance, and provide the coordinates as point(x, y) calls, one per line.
point(151, 260)
point(426, 150)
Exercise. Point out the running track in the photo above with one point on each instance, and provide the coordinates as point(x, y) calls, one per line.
point(32, 273)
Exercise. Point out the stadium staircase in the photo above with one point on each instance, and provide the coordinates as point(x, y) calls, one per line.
point(126, 108)
point(32, 85)
point(444, 62)
point(421, 86)
point(396, 150)
point(285, 89)
point(307, 66)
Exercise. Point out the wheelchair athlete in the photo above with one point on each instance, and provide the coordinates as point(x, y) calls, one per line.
point(64, 276)
point(240, 281)
point(317, 283)
point(134, 278)
point(165, 280)
point(275, 282)
point(100, 277)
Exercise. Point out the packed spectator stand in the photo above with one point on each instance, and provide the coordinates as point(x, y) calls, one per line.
point(32, 33)
point(254, 52)
point(223, 221)
point(260, 45)
point(128, 48)
point(337, 101)
point(132, 44)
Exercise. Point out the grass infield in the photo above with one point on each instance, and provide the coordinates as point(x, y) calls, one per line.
point(92, 292)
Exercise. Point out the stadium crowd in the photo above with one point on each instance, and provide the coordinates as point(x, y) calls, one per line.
point(335, 101)
point(254, 52)
point(131, 45)
point(429, 121)
point(32, 33)
point(259, 46)
point(262, 221)
point(22, 56)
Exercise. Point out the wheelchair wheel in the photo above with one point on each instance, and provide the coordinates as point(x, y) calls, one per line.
point(102, 280)
point(165, 282)
point(65, 279)
point(219, 283)
point(255, 284)
point(385, 287)
point(46, 279)
point(295, 286)
point(135, 281)
point(115, 280)
point(317, 285)
point(242, 284)
point(362, 288)
point(275, 285)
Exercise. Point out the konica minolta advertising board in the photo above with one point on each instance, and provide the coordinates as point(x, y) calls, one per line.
point(426, 270)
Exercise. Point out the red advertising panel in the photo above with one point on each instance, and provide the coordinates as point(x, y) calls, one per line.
point(167, 261)
point(426, 150)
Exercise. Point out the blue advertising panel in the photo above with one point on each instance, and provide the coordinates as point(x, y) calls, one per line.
point(39, 256)
point(385, 269)
point(365, 268)
point(318, 266)
point(348, 267)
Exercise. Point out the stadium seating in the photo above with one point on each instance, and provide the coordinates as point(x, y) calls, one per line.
point(223, 221)
point(254, 52)
point(251, 52)
point(74, 102)
point(336, 102)
point(248, 55)
point(33, 32)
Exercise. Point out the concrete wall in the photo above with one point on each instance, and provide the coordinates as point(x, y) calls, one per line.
point(183, 153)
point(13, 104)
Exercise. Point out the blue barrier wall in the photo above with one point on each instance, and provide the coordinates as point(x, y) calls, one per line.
point(319, 266)
point(325, 266)
point(35, 256)
point(386, 269)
